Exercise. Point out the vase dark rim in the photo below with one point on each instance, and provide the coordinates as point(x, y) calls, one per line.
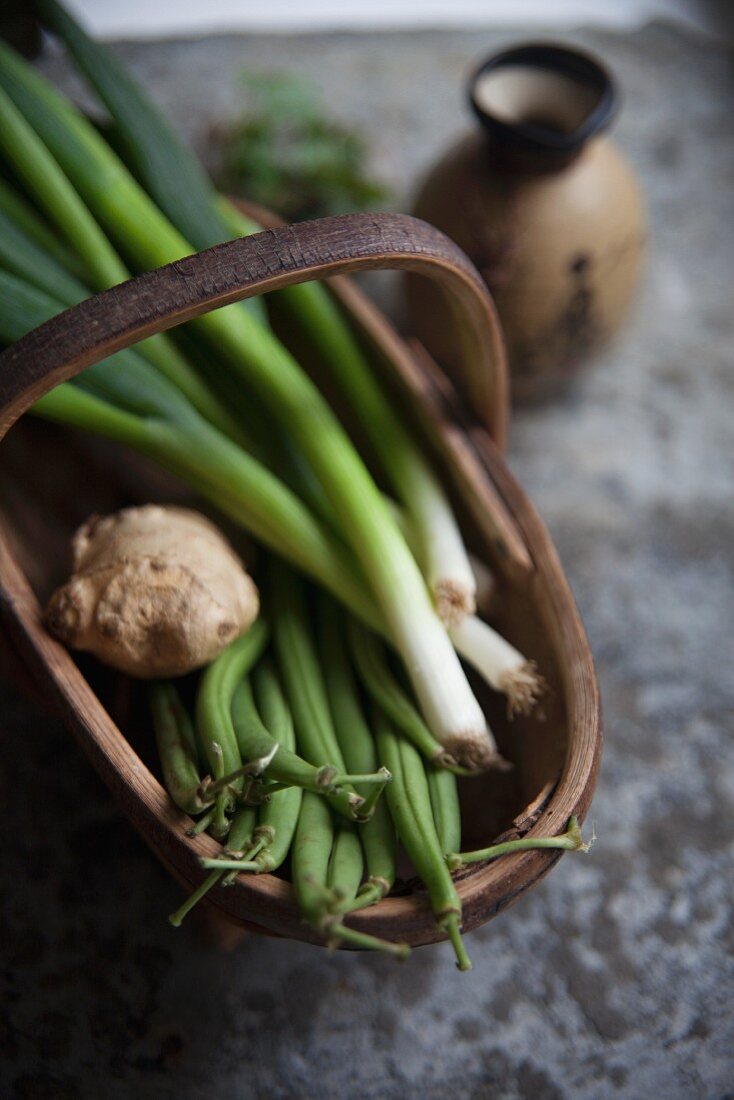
point(535, 137)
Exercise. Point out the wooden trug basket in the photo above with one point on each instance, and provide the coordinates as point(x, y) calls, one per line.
point(556, 760)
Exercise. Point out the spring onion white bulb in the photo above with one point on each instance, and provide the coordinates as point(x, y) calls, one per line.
point(485, 583)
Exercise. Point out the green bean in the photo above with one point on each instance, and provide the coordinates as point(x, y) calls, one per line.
point(410, 805)
point(346, 865)
point(302, 675)
point(571, 840)
point(281, 812)
point(216, 691)
point(300, 667)
point(379, 680)
point(284, 766)
point(278, 817)
point(311, 855)
point(358, 747)
point(241, 833)
point(444, 796)
point(272, 704)
point(238, 839)
point(174, 736)
point(214, 713)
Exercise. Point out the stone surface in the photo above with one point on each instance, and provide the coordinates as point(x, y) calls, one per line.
point(614, 978)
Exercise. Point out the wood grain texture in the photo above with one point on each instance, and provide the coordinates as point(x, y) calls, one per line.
point(538, 607)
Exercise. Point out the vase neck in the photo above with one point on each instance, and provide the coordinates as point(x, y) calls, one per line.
point(540, 104)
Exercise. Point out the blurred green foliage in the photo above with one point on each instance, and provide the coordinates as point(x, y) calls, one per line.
point(285, 153)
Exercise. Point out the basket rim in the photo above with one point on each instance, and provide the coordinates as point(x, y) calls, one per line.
point(266, 901)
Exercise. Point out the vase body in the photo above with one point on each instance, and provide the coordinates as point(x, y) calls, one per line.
point(557, 234)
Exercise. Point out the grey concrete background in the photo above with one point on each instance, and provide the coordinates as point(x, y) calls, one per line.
point(614, 978)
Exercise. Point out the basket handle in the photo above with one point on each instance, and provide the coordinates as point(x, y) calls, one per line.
point(157, 300)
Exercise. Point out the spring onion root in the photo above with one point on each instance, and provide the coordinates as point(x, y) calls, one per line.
point(502, 666)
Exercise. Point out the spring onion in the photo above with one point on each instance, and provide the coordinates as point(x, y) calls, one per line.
point(262, 362)
point(27, 218)
point(168, 170)
point(19, 256)
point(177, 183)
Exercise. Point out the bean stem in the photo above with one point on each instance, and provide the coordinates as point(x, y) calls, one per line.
point(250, 768)
point(285, 766)
point(220, 823)
point(239, 833)
point(570, 841)
point(202, 824)
point(451, 925)
point(372, 891)
point(312, 849)
point(183, 910)
point(337, 931)
point(235, 865)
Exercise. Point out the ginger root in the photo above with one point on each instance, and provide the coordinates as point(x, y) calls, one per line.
point(155, 592)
